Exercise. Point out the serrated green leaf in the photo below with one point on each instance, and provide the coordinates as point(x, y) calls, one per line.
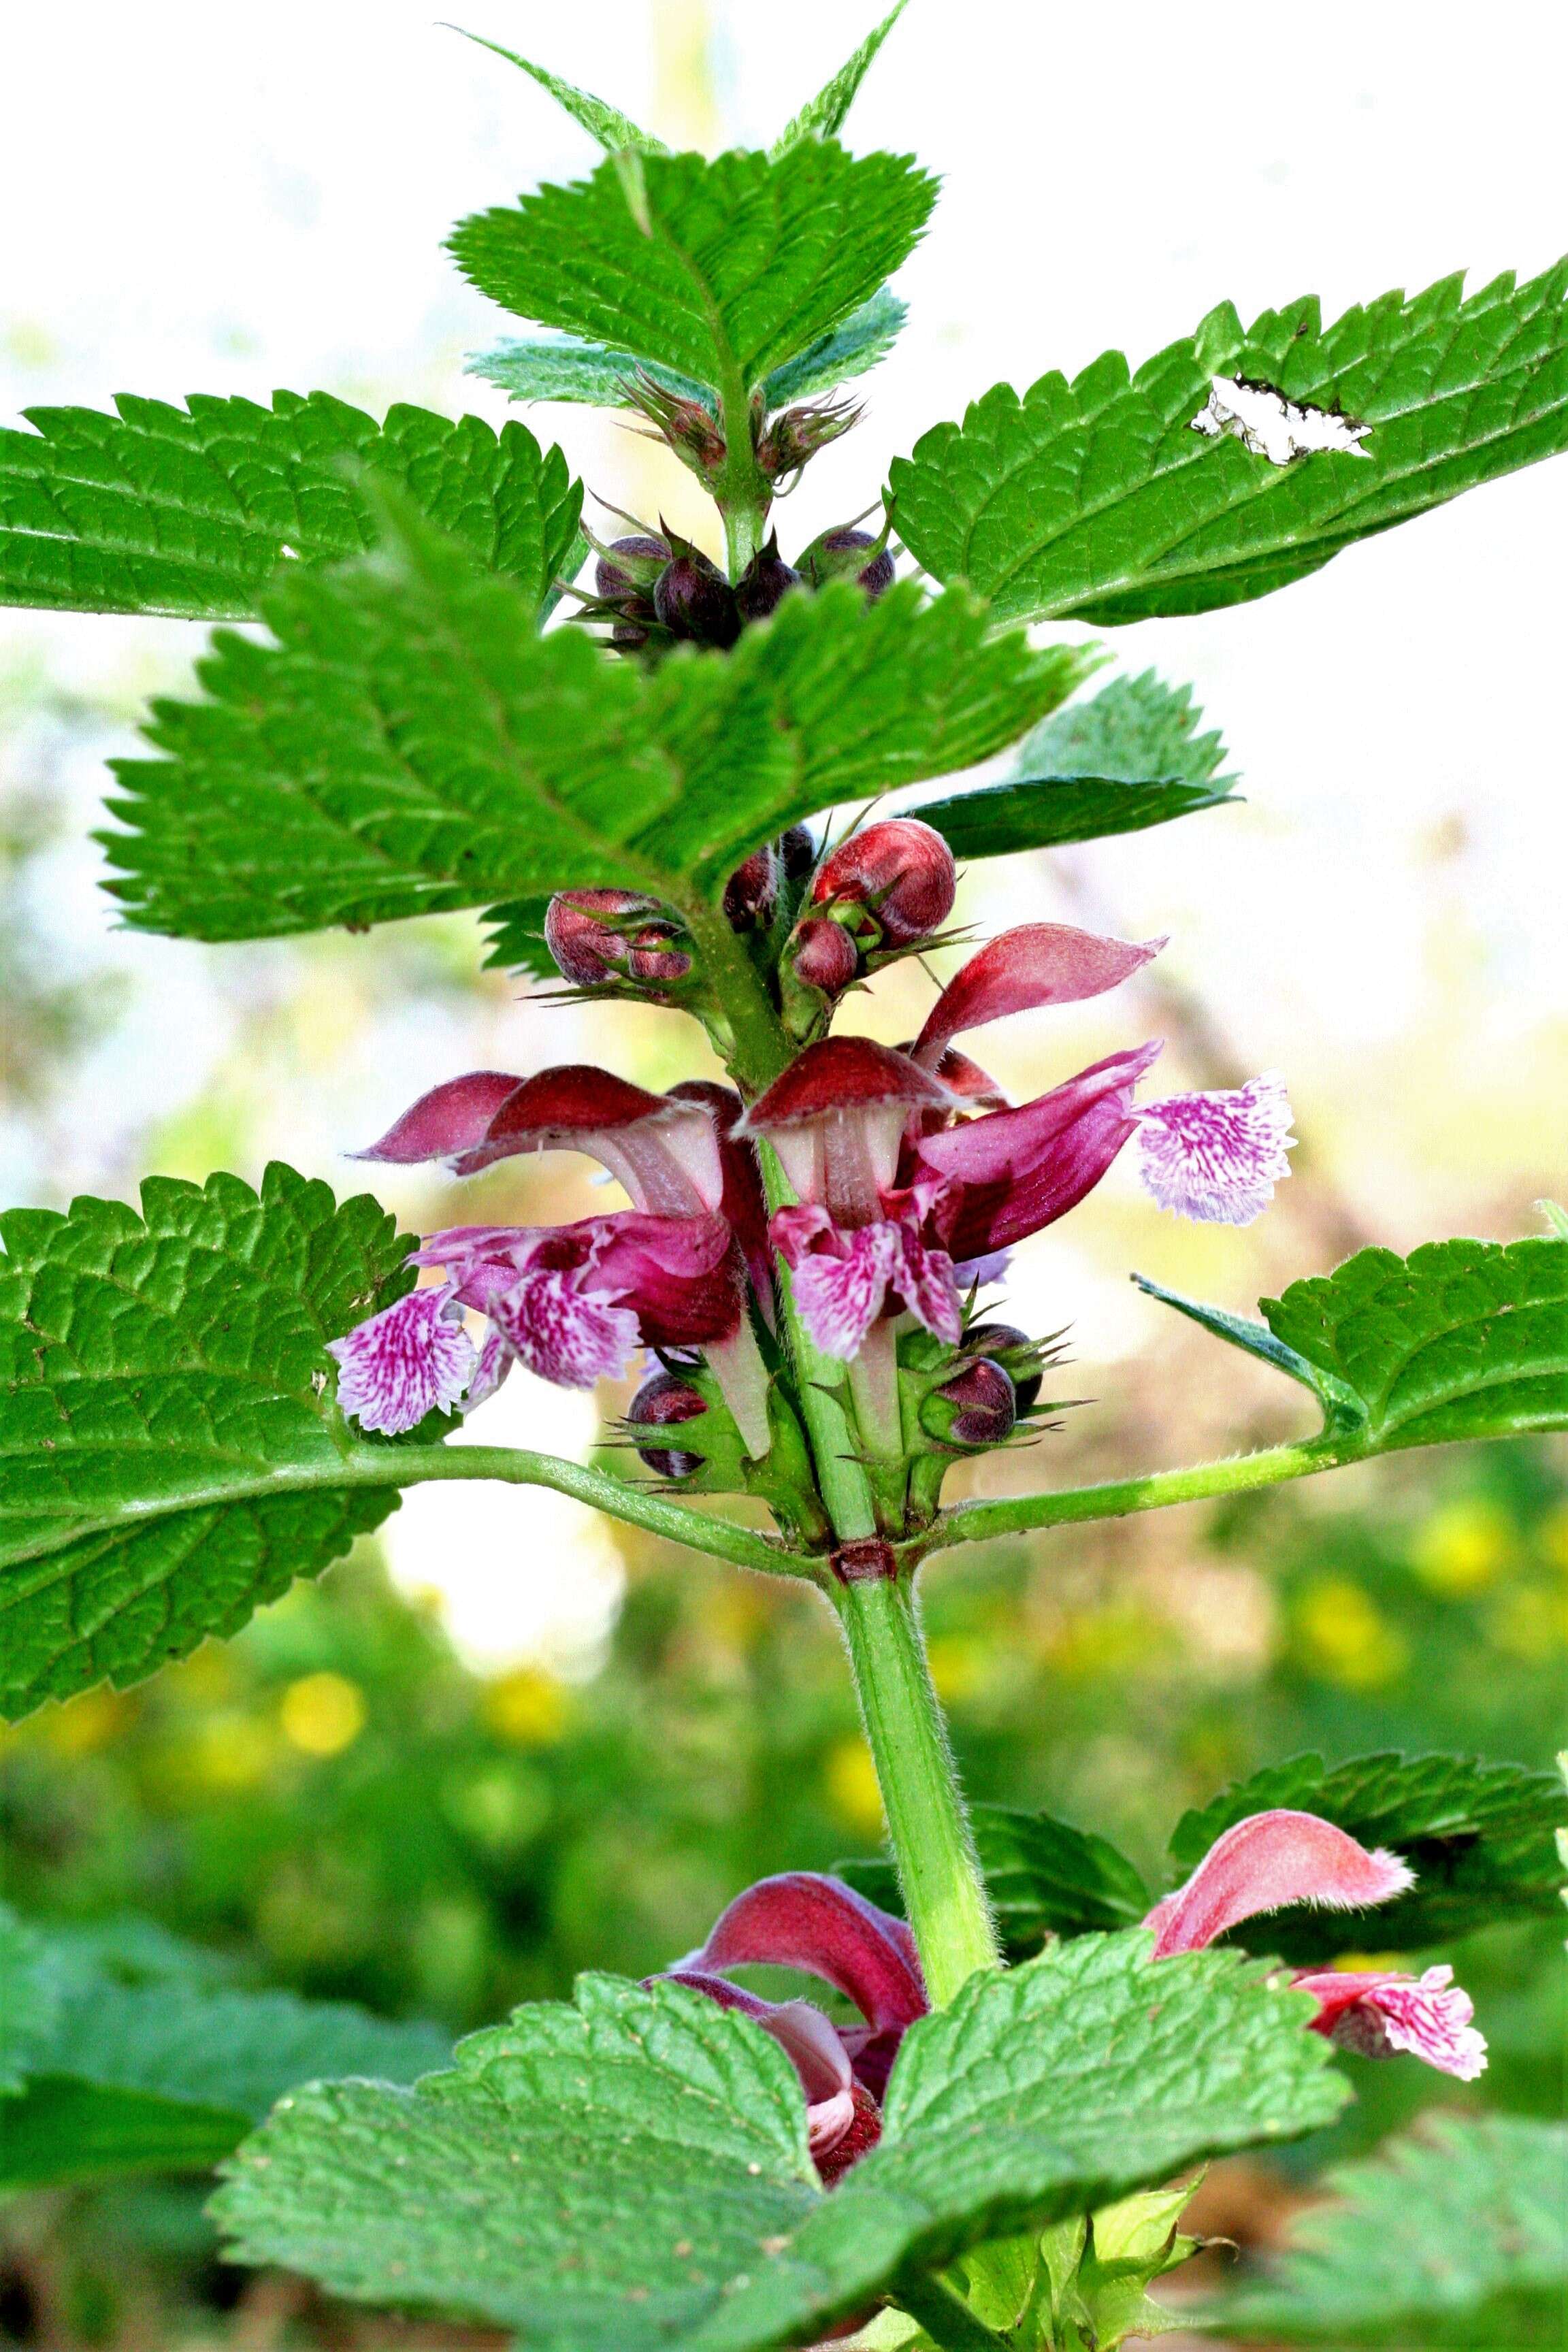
point(1454, 2235)
point(1461, 1340)
point(412, 745)
point(1481, 1839)
point(823, 116)
point(1097, 498)
point(743, 264)
point(162, 509)
point(152, 2063)
point(1043, 1876)
point(1133, 729)
point(1125, 759)
point(633, 2172)
point(602, 2173)
point(29, 2003)
point(150, 1367)
point(1240, 1331)
point(563, 367)
point(612, 129)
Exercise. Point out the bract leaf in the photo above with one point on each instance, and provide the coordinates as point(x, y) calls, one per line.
point(744, 263)
point(1453, 2236)
point(410, 745)
point(149, 1367)
point(1461, 1340)
point(1481, 1839)
point(1097, 498)
point(823, 116)
point(192, 510)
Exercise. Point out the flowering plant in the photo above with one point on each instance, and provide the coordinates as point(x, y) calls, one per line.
point(675, 782)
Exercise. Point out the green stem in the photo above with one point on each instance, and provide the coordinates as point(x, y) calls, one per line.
point(1013, 1514)
point(945, 1892)
point(414, 1465)
point(946, 2319)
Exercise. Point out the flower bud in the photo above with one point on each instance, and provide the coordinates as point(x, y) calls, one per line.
point(766, 578)
point(977, 1407)
point(590, 949)
point(901, 870)
point(1020, 1356)
point(824, 955)
point(796, 434)
point(798, 851)
point(753, 890)
point(630, 565)
point(693, 600)
point(846, 553)
point(690, 428)
point(663, 1399)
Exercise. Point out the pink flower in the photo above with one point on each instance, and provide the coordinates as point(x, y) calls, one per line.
point(836, 1118)
point(573, 1302)
point(801, 1920)
point(1218, 1157)
point(1276, 1858)
point(411, 1360)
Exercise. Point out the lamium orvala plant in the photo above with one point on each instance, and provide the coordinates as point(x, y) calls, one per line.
point(714, 786)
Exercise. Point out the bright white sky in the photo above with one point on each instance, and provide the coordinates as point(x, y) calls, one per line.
point(226, 200)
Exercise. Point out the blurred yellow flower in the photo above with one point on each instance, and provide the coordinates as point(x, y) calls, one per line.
point(84, 1724)
point(323, 1713)
point(1554, 1537)
point(1464, 1546)
point(1345, 1638)
point(526, 1707)
point(957, 1666)
point(850, 1779)
point(227, 1751)
point(1532, 1624)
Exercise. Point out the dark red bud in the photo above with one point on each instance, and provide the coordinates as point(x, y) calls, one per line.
point(849, 554)
point(824, 955)
point(690, 429)
point(753, 890)
point(693, 600)
point(661, 1400)
point(798, 851)
point(902, 870)
point(766, 578)
point(977, 1407)
point(1016, 1352)
point(631, 564)
point(796, 434)
point(589, 949)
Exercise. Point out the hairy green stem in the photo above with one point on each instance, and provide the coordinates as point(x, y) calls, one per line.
point(945, 1892)
point(414, 1465)
point(1015, 1514)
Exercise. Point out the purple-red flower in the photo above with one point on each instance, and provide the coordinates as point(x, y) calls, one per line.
point(1281, 1857)
point(573, 1302)
point(909, 1171)
point(818, 1924)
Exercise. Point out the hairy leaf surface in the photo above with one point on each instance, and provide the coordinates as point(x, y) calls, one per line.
point(149, 1367)
point(1481, 1839)
point(1455, 2236)
point(734, 267)
point(1096, 499)
point(1461, 1340)
point(633, 2172)
point(191, 511)
point(1043, 1876)
point(411, 745)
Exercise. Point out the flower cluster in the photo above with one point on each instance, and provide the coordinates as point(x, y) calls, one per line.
point(1262, 1864)
point(902, 1176)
